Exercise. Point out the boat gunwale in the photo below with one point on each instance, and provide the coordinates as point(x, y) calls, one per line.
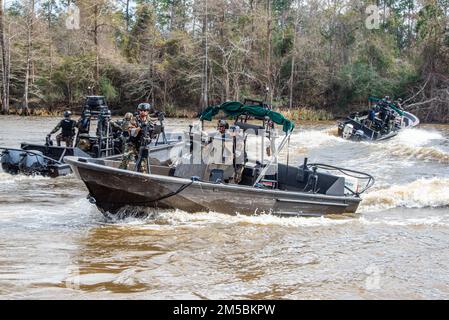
point(178, 180)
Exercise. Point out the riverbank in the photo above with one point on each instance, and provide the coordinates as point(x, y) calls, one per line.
point(298, 114)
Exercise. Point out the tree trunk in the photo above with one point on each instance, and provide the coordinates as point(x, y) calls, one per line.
point(50, 45)
point(30, 20)
point(4, 63)
point(204, 82)
point(269, 82)
point(127, 15)
point(8, 65)
point(292, 71)
point(97, 63)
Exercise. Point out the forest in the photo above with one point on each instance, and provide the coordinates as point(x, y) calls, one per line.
point(325, 57)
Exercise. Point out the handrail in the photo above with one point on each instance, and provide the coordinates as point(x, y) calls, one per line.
point(274, 156)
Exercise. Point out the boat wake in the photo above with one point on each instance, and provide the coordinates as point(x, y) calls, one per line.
point(416, 137)
point(413, 144)
point(6, 178)
point(159, 218)
point(312, 139)
point(421, 193)
point(401, 221)
point(421, 153)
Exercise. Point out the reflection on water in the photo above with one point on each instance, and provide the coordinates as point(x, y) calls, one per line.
point(55, 244)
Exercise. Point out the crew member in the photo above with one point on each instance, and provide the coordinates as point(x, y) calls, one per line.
point(399, 104)
point(83, 123)
point(104, 123)
point(121, 127)
point(124, 123)
point(238, 153)
point(67, 126)
point(221, 152)
point(139, 133)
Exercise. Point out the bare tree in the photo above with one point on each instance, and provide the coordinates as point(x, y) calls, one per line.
point(4, 63)
point(205, 80)
point(292, 72)
point(29, 51)
point(269, 76)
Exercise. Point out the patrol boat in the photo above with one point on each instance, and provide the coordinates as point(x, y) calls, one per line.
point(266, 186)
point(383, 121)
point(48, 160)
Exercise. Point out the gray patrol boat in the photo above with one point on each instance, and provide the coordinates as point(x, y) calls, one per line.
point(266, 186)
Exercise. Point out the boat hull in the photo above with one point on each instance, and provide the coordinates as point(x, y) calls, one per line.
point(34, 159)
point(113, 189)
point(368, 134)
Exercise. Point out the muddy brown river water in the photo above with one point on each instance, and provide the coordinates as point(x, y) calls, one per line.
point(54, 244)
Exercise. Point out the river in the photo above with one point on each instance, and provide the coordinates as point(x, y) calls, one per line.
point(54, 244)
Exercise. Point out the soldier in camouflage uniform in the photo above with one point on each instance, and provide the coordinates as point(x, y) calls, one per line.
point(120, 129)
point(136, 129)
point(124, 124)
point(67, 127)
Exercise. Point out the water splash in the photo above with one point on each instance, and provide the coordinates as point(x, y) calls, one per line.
point(315, 138)
point(183, 218)
point(412, 143)
point(416, 137)
point(417, 194)
point(403, 222)
point(420, 153)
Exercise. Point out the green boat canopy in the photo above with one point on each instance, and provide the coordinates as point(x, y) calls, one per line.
point(391, 105)
point(235, 109)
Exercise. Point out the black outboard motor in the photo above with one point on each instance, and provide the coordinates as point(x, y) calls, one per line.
point(32, 163)
point(10, 160)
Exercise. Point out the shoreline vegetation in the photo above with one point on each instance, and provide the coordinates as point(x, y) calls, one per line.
point(301, 114)
point(312, 59)
point(297, 115)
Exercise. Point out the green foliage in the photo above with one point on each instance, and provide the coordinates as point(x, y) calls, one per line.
point(337, 62)
point(74, 76)
point(108, 90)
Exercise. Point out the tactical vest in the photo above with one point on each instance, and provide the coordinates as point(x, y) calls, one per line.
point(83, 125)
point(141, 124)
point(68, 127)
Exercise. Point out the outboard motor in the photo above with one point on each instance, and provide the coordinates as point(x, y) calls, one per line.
point(347, 131)
point(359, 135)
point(10, 160)
point(32, 163)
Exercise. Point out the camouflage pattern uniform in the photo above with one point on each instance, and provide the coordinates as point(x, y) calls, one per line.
point(67, 134)
point(132, 147)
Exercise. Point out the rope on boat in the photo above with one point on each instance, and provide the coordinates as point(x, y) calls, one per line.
point(361, 175)
point(171, 194)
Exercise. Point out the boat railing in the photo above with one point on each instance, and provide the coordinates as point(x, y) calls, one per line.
point(350, 173)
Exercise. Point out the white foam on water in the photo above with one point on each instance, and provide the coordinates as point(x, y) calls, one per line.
point(413, 143)
point(401, 222)
point(182, 217)
point(6, 178)
point(416, 137)
point(417, 194)
point(173, 218)
point(315, 138)
point(421, 153)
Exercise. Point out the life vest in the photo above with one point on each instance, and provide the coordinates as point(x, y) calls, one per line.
point(83, 125)
point(141, 124)
point(68, 127)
